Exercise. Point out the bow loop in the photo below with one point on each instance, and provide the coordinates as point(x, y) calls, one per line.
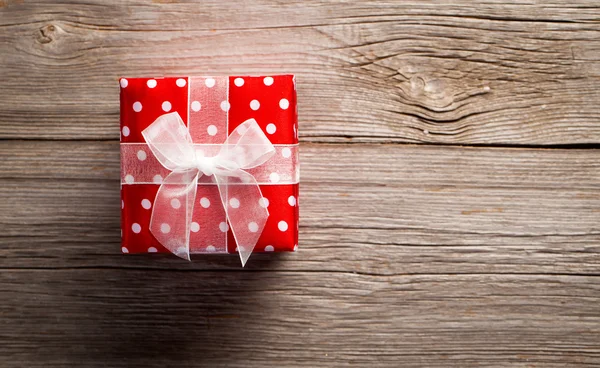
point(247, 147)
point(170, 142)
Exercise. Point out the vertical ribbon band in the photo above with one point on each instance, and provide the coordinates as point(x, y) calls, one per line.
point(245, 148)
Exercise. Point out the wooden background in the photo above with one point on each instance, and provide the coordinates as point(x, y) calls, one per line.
point(450, 195)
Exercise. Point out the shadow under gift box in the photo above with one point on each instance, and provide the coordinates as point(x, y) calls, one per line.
point(211, 108)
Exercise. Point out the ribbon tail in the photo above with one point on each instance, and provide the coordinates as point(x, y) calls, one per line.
point(172, 210)
point(242, 199)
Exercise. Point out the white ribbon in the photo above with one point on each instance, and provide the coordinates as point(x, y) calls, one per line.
point(247, 147)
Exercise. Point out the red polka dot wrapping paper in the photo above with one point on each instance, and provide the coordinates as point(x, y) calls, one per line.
point(211, 108)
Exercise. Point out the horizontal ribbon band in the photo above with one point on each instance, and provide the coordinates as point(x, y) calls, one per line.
point(140, 166)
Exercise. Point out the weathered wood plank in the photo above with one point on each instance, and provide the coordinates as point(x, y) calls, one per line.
point(144, 318)
point(459, 72)
point(415, 165)
point(380, 209)
point(416, 256)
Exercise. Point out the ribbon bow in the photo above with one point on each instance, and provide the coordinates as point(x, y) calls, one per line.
point(245, 148)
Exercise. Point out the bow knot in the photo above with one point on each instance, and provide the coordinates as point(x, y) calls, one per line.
point(207, 165)
point(247, 147)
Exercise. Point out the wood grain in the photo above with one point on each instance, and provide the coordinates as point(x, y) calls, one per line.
point(463, 72)
point(476, 247)
point(429, 255)
point(154, 318)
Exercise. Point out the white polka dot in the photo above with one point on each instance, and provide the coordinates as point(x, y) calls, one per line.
point(157, 179)
point(137, 106)
point(223, 227)
point(166, 106)
point(239, 82)
point(269, 248)
point(146, 204)
point(284, 103)
point(210, 83)
point(225, 105)
point(268, 81)
point(141, 155)
point(180, 82)
point(136, 228)
point(241, 129)
point(263, 202)
point(124, 250)
point(286, 152)
point(211, 249)
point(195, 227)
point(166, 228)
point(282, 225)
point(296, 248)
point(211, 130)
point(122, 204)
point(152, 250)
point(253, 227)
point(124, 82)
point(129, 179)
point(204, 202)
point(292, 201)
point(234, 202)
point(274, 178)
point(271, 128)
point(254, 105)
point(196, 106)
point(151, 83)
point(175, 203)
point(126, 131)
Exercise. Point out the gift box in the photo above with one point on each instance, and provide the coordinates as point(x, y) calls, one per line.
point(209, 165)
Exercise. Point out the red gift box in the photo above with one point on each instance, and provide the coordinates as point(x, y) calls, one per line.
point(211, 109)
